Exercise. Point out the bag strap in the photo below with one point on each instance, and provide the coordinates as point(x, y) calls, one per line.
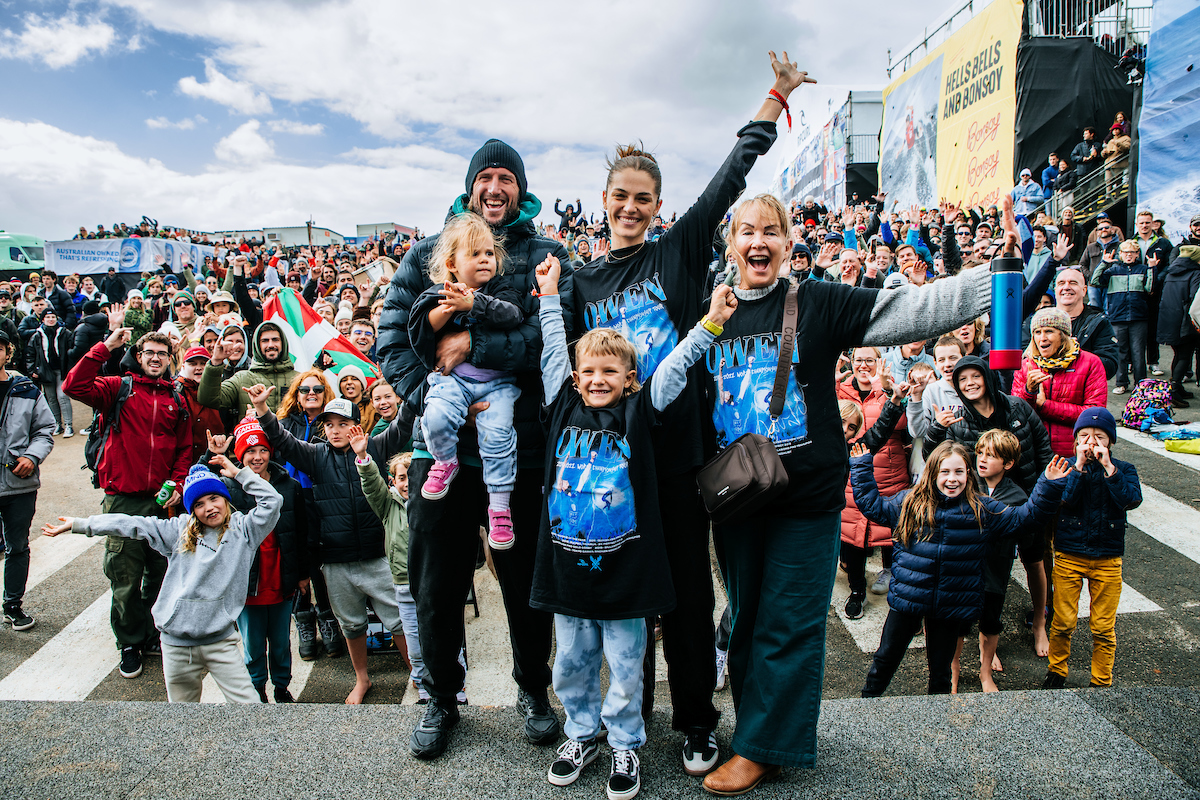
point(786, 347)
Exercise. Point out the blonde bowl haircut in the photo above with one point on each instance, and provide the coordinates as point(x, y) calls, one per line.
point(850, 410)
point(465, 231)
point(399, 460)
point(608, 342)
point(771, 206)
point(1001, 444)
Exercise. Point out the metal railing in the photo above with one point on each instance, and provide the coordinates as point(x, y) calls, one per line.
point(1096, 191)
point(864, 148)
point(1114, 25)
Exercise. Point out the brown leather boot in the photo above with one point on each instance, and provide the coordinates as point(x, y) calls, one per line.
point(737, 776)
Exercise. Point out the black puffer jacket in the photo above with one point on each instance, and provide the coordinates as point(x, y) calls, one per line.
point(90, 331)
point(292, 531)
point(1179, 289)
point(349, 528)
point(518, 350)
point(1020, 420)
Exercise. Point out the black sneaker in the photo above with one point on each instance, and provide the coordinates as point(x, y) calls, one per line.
point(700, 753)
point(626, 779)
point(306, 633)
point(541, 725)
point(1054, 681)
point(573, 756)
point(854, 606)
point(131, 662)
point(335, 644)
point(18, 619)
point(262, 693)
point(282, 695)
point(432, 734)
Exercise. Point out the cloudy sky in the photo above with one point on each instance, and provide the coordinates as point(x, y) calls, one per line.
point(211, 114)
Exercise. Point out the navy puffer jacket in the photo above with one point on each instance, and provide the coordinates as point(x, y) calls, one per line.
point(518, 350)
point(1092, 522)
point(942, 576)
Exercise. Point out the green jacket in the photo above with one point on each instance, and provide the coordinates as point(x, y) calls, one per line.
point(227, 394)
point(388, 505)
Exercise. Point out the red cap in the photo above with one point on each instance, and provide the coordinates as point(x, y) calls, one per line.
point(196, 352)
point(249, 434)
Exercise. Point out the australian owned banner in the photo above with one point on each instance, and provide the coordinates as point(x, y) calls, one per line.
point(92, 256)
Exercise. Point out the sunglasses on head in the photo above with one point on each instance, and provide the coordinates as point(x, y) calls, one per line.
point(310, 389)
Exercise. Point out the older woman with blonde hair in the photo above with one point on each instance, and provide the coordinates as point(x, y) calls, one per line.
point(780, 560)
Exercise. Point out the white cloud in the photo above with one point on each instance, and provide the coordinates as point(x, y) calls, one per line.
point(294, 127)
point(57, 43)
point(185, 124)
point(245, 145)
point(240, 96)
point(56, 181)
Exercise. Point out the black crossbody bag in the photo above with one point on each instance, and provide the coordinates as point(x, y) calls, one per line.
point(748, 474)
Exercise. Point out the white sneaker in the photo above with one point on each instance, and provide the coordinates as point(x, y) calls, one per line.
point(722, 659)
point(700, 753)
point(69, 432)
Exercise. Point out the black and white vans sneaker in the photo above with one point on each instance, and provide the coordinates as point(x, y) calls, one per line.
point(131, 662)
point(626, 778)
point(573, 756)
point(18, 619)
point(700, 753)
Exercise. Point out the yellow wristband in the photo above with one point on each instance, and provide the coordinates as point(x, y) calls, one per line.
point(711, 326)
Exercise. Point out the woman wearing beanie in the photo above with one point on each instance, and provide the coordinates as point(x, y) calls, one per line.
point(137, 316)
point(209, 552)
point(1058, 378)
point(46, 364)
point(280, 567)
point(352, 385)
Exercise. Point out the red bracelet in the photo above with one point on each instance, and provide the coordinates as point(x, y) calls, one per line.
point(786, 108)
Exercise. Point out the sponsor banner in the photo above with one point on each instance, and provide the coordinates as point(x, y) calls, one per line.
point(1168, 180)
point(949, 121)
point(93, 256)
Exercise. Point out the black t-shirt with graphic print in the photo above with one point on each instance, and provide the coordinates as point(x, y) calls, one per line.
point(739, 371)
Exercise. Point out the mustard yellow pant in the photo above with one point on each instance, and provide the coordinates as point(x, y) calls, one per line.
point(1104, 586)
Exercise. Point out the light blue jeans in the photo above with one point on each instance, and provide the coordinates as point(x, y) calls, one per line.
point(446, 407)
point(579, 645)
point(408, 619)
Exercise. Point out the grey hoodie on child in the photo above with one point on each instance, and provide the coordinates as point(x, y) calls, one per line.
point(203, 592)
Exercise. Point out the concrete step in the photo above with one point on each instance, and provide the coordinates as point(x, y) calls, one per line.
point(1117, 743)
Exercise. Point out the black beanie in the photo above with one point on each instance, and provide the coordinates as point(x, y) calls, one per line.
point(91, 307)
point(496, 153)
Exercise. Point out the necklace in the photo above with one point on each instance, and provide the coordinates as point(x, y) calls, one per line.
point(637, 250)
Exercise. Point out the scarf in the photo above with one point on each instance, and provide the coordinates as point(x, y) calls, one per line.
point(1060, 361)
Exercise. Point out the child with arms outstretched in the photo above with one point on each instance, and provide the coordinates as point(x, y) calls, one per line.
point(209, 552)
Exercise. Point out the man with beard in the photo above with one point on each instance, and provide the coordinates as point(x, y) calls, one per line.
point(444, 534)
point(270, 365)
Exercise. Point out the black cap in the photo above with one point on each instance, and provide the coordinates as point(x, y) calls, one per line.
point(4, 337)
point(496, 153)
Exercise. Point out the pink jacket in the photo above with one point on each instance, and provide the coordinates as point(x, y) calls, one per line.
point(1068, 392)
point(891, 471)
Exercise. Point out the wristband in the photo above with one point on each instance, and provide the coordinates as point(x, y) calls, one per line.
point(362, 462)
point(774, 95)
point(711, 326)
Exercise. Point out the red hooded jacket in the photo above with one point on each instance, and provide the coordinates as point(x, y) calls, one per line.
point(154, 441)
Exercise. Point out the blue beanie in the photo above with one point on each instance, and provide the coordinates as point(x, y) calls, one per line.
point(1098, 417)
point(201, 481)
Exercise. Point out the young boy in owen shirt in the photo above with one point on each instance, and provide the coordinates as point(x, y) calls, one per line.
point(601, 565)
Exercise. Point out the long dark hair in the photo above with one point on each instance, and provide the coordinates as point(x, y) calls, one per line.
point(919, 509)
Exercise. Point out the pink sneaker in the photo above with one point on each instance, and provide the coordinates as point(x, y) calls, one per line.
point(437, 482)
point(500, 530)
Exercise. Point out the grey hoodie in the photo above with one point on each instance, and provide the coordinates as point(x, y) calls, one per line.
point(26, 429)
point(203, 592)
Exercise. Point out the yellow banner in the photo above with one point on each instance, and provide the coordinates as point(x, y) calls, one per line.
point(949, 122)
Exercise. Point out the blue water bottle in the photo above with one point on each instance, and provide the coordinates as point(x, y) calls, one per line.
point(1007, 282)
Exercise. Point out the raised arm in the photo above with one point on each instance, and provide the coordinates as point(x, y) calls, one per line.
point(556, 363)
point(670, 378)
point(161, 534)
point(909, 313)
point(880, 510)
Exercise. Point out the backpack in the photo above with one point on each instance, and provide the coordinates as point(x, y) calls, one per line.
point(93, 449)
point(1149, 395)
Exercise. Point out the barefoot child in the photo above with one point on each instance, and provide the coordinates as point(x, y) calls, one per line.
point(996, 454)
point(1089, 543)
point(941, 530)
point(209, 552)
point(466, 268)
point(351, 535)
point(601, 563)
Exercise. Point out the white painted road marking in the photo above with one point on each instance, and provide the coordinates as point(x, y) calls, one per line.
point(72, 663)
